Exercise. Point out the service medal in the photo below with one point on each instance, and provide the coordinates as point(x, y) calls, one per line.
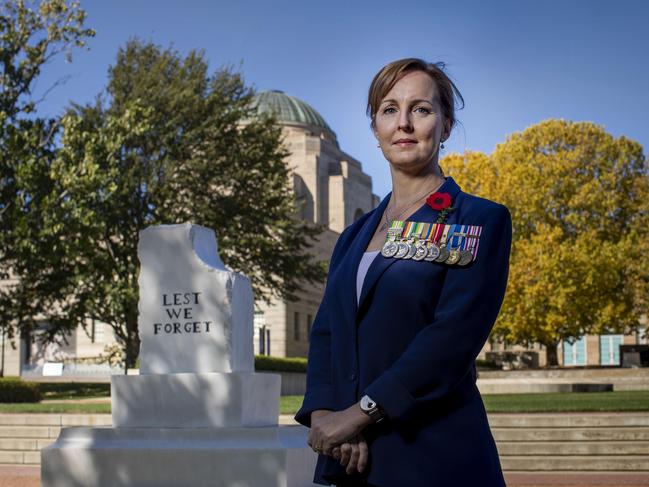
point(453, 256)
point(402, 250)
point(412, 249)
point(443, 251)
point(389, 248)
point(443, 254)
point(433, 252)
point(420, 252)
point(465, 257)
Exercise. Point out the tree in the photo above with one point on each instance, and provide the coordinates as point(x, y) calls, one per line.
point(29, 38)
point(165, 143)
point(579, 200)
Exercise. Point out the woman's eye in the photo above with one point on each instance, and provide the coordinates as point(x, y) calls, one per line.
point(389, 110)
point(422, 110)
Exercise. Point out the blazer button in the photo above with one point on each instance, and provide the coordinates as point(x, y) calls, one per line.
point(352, 376)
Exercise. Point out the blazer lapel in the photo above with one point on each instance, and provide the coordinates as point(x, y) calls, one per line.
point(380, 264)
point(349, 265)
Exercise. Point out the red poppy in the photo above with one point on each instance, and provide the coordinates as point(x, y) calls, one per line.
point(439, 201)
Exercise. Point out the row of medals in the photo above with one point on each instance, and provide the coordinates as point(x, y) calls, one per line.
point(423, 250)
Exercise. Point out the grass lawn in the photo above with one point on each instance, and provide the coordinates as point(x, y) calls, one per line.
point(494, 403)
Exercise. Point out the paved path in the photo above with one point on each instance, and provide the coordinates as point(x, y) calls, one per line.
point(29, 476)
point(577, 479)
point(20, 476)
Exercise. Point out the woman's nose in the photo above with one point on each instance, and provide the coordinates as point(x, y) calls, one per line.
point(404, 121)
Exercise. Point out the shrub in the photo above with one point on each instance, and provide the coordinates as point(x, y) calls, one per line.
point(17, 390)
point(280, 364)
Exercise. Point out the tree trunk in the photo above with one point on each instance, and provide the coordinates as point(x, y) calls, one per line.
point(132, 347)
point(552, 354)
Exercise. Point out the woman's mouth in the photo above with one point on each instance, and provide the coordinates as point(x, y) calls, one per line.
point(405, 142)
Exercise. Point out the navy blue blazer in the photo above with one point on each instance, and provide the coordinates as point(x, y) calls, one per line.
point(411, 345)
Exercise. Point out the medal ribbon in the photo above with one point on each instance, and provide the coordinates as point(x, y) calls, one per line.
point(474, 241)
point(458, 241)
point(446, 229)
point(426, 231)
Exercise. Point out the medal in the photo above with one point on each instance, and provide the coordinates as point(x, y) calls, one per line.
point(470, 246)
point(456, 244)
point(413, 235)
point(443, 251)
point(453, 256)
point(421, 249)
point(402, 250)
point(420, 252)
point(432, 247)
point(433, 252)
point(402, 246)
point(465, 257)
point(390, 246)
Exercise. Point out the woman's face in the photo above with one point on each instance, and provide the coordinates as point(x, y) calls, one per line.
point(409, 124)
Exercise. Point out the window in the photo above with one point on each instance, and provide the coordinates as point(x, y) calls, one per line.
point(609, 349)
point(574, 352)
point(296, 327)
point(262, 331)
point(97, 334)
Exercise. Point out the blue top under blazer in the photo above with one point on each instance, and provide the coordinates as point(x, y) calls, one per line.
point(411, 345)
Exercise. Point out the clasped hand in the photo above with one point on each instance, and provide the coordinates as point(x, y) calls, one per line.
point(337, 434)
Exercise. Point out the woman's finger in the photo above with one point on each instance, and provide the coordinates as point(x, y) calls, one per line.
point(353, 459)
point(364, 453)
point(345, 453)
point(336, 452)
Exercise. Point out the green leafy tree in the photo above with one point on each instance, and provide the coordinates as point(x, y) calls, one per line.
point(167, 142)
point(579, 200)
point(30, 36)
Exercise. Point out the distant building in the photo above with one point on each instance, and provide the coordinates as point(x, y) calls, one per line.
point(333, 190)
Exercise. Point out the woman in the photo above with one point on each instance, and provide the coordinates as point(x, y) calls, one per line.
point(391, 398)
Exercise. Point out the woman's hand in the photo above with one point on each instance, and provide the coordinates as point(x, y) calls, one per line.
point(334, 428)
point(353, 453)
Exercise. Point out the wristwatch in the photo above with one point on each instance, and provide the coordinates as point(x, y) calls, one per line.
point(373, 410)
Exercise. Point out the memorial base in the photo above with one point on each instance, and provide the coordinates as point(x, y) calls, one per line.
point(273, 456)
point(194, 400)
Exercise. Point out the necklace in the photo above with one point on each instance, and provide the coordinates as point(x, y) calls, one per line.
point(389, 220)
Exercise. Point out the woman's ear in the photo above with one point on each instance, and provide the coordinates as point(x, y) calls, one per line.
point(374, 131)
point(446, 133)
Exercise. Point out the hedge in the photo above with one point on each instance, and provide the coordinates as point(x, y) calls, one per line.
point(280, 364)
point(17, 390)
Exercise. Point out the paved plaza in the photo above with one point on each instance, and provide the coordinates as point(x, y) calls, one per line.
point(29, 476)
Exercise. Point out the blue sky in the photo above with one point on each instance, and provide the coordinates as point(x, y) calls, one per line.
point(515, 62)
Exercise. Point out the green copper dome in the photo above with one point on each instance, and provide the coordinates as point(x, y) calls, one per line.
point(289, 109)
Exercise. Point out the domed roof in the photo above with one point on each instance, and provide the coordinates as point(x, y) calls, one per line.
point(289, 109)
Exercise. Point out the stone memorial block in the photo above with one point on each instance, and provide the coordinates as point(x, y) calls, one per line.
point(196, 332)
point(192, 309)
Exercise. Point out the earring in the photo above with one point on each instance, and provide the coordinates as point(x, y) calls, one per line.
point(441, 145)
point(378, 145)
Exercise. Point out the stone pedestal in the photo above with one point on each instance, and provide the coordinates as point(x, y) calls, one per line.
point(208, 400)
point(273, 456)
point(198, 415)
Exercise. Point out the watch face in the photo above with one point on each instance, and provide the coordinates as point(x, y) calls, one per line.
point(367, 403)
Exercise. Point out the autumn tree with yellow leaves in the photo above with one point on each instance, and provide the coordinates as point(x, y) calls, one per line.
point(579, 200)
